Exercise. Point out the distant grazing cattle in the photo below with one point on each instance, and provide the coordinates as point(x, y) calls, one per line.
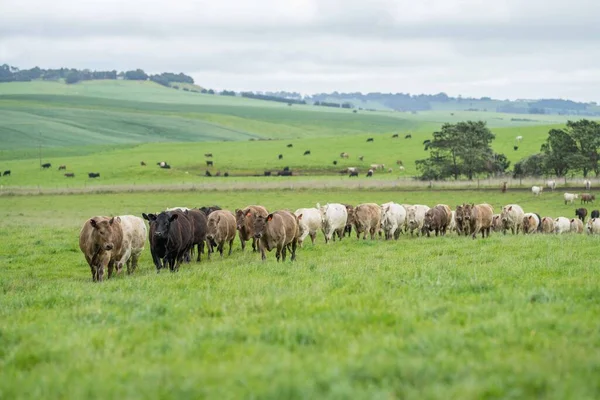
point(426, 142)
point(267, 173)
point(593, 226)
point(94, 174)
point(409, 136)
point(46, 166)
point(370, 139)
point(401, 168)
point(245, 223)
point(62, 167)
point(207, 155)
point(369, 173)
point(393, 217)
point(361, 158)
point(516, 148)
point(344, 155)
point(390, 170)
point(334, 162)
point(399, 162)
point(290, 145)
point(209, 163)
point(581, 213)
point(165, 166)
point(595, 214)
point(226, 174)
point(218, 173)
point(307, 152)
point(587, 198)
point(309, 223)
point(286, 168)
point(562, 225)
point(284, 173)
point(367, 218)
point(70, 175)
point(519, 138)
point(395, 135)
point(503, 189)
point(547, 225)
point(278, 230)
point(512, 218)
point(171, 238)
point(161, 164)
point(6, 173)
point(576, 225)
point(207, 173)
point(479, 217)
point(280, 156)
point(334, 217)
point(221, 229)
point(143, 164)
point(353, 173)
point(537, 190)
point(587, 184)
point(377, 166)
point(570, 197)
point(208, 209)
point(551, 184)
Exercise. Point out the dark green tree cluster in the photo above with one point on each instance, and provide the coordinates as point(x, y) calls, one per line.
point(166, 78)
point(569, 150)
point(70, 75)
point(258, 96)
point(462, 149)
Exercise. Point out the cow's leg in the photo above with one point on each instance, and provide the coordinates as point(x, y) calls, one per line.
point(279, 251)
point(254, 245)
point(220, 247)
point(261, 246)
point(313, 236)
point(294, 247)
point(230, 246)
point(243, 242)
point(284, 252)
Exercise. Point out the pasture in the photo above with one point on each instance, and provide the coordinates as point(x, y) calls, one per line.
point(446, 317)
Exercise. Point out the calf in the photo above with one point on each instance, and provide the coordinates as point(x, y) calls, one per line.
point(100, 241)
point(70, 175)
point(143, 164)
point(221, 229)
point(551, 184)
point(207, 173)
point(367, 218)
point(245, 223)
point(277, 230)
point(497, 223)
point(62, 167)
point(46, 165)
point(165, 166)
point(290, 145)
point(436, 219)
point(309, 223)
point(334, 217)
point(581, 213)
point(547, 225)
point(479, 217)
point(576, 225)
point(171, 238)
point(344, 155)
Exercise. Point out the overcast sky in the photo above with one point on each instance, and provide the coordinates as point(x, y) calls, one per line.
point(498, 48)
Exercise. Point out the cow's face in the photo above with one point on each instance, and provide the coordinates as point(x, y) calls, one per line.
point(213, 224)
point(104, 233)
point(428, 221)
point(467, 213)
point(260, 225)
point(240, 219)
point(163, 224)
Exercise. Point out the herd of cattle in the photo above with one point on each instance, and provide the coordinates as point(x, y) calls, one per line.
point(177, 233)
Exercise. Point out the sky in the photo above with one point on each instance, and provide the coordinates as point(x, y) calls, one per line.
point(505, 49)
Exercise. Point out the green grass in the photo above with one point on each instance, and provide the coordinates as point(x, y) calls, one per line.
point(508, 317)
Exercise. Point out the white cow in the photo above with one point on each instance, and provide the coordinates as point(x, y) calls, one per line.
point(512, 218)
point(588, 184)
point(333, 218)
point(519, 138)
point(551, 184)
point(562, 225)
point(309, 222)
point(416, 217)
point(537, 190)
point(134, 238)
point(593, 226)
point(570, 197)
point(452, 223)
point(576, 225)
point(177, 208)
point(393, 217)
point(401, 168)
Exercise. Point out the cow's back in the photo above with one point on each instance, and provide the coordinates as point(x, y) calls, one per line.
point(367, 215)
point(134, 232)
point(226, 227)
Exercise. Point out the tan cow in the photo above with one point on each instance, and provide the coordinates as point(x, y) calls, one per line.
point(221, 229)
point(245, 223)
point(134, 239)
point(497, 223)
point(101, 240)
point(576, 225)
point(277, 230)
point(547, 225)
point(367, 218)
point(479, 218)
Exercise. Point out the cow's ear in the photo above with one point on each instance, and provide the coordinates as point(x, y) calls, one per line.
point(238, 211)
point(152, 217)
point(118, 219)
point(249, 214)
point(145, 216)
point(572, 219)
point(269, 217)
point(173, 217)
point(93, 223)
point(112, 220)
point(300, 217)
point(510, 208)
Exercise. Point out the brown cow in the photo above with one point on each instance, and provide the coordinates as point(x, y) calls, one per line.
point(245, 223)
point(497, 225)
point(479, 219)
point(436, 219)
point(101, 240)
point(221, 229)
point(350, 220)
point(367, 218)
point(461, 226)
point(587, 198)
point(277, 230)
point(199, 228)
point(547, 225)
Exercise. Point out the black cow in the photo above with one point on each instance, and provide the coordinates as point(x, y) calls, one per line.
point(280, 156)
point(209, 163)
point(395, 135)
point(94, 174)
point(171, 238)
point(516, 148)
point(286, 168)
point(165, 166)
point(290, 145)
point(199, 228)
point(143, 164)
point(267, 173)
point(207, 210)
point(207, 173)
point(226, 174)
point(596, 214)
point(284, 173)
point(207, 155)
point(581, 213)
point(46, 166)
point(370, 139)
point(369, 173)
point(6, 173)
point(539, 227)
point(334, 162)
point(409, 136)
point(62, 167)
point(307, 152)
point(70, 175)
point(354, 173)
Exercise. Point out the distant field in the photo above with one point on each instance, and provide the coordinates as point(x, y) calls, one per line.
point(437, 318)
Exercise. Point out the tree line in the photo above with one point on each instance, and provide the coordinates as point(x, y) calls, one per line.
point(464, 150)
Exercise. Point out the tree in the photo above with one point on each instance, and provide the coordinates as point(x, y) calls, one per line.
point(560, 152)
point(72, 77)
point(137, 75)
point(586, 135)
point(533, 165)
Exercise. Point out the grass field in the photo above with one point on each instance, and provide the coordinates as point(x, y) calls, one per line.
point(508, 317)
